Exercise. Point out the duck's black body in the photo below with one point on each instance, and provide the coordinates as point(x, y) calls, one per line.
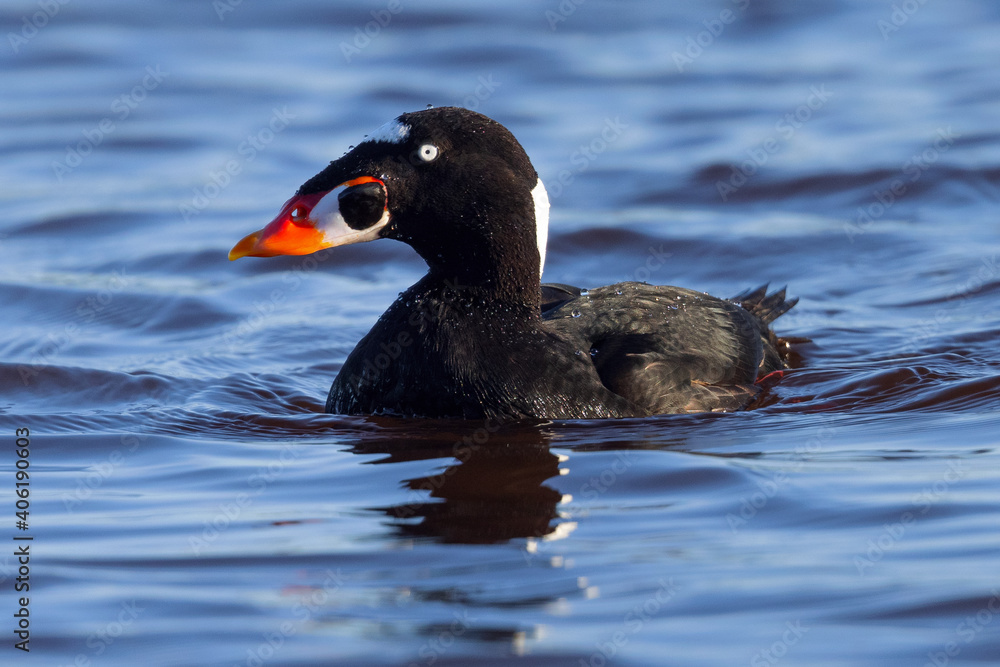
point(625, 350)
point(478, 337)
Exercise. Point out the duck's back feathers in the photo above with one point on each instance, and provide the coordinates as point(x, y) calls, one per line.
point(668, 349)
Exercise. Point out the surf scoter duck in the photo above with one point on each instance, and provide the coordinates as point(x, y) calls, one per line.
point(478, 337)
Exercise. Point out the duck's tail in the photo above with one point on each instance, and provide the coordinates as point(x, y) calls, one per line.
point(767, 308)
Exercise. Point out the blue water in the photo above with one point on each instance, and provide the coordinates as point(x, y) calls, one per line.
point(191, 505)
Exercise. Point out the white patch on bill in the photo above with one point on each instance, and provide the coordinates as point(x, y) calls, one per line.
point(541, 198)
point(392, 132)
point(327, 219)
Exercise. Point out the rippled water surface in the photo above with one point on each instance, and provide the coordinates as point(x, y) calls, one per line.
point(191, 504)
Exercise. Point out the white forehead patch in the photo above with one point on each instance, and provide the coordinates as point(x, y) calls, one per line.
point(392, 132)
point(541, 198)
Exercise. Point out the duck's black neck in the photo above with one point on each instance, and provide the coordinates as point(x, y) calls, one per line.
point(490, 290)
point(499, 266)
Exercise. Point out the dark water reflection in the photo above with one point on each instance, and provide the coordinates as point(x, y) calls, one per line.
point(485, 499)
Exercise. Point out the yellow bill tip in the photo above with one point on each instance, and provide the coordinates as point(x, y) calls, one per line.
point(245, 247)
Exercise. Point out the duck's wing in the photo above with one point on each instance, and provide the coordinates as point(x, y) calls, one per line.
point(668, 349)
point(555, 295)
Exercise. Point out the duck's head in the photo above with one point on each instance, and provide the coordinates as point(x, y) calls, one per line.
point(452, 183)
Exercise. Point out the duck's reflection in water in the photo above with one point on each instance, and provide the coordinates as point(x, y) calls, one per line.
point(493, 492)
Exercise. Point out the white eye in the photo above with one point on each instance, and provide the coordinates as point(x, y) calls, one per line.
point(428, 152)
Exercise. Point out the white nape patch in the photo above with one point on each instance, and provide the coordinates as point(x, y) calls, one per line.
point(392, 132)
point(327, 219)
point(541, 197)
